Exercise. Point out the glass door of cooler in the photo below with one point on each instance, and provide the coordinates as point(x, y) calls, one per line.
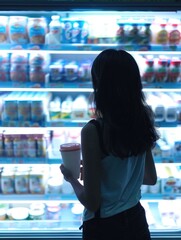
point(45, 100)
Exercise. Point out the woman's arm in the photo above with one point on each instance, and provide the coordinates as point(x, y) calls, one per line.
point(89, 194)
point(77, 186)
point(150, 176)
point(91, 156)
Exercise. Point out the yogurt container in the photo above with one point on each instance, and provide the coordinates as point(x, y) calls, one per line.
point(19, 213)
point(3, 211)
point(53, 210)
point(2, 214)
point(54, 185)
point(56, 72)
point(7, 181)
point(37, 211)
point(71, 71)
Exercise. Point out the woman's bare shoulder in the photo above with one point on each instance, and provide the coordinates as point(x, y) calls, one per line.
point(88, 127)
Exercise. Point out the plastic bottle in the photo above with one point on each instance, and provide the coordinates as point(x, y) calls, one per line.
point(161, 69)
point(155, 188)
point(31, 145)
point(21, 181)
point(162, 34)
point(55, 109)
point(157, 106)
point(80, 108)
point(55, 31)
point(174, 36)
point(17, 146)
point(84, 33)
point(149, 72)
point(8, 145)
point(41, 148)
point(174, 70)
point(1, 144)
point(7, 180)
point(177, 99)
point(36, 180)
point(66, 108)
point(144, 33)
point(170, 107)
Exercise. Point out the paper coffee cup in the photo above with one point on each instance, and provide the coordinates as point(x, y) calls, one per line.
point(71, 157)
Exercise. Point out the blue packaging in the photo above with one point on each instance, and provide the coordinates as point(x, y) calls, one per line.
point(74, 31)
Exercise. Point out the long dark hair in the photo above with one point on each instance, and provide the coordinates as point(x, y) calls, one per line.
point(119, 101)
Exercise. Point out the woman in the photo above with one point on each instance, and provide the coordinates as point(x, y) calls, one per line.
point(116, 152)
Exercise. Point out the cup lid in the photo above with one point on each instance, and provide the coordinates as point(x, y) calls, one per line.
point(69, 147)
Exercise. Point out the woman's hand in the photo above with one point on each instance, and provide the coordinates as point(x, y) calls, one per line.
point(66, 173)
point(77, 186)
point(81, 170)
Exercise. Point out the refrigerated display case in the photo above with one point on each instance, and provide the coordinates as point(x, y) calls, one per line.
point(46, 51)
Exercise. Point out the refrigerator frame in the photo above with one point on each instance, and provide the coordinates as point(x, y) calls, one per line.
point(53, 5)
point(72, 5)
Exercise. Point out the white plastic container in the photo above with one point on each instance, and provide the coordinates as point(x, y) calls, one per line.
point(71, 71)
point(155, 188)
point(170, 107)
point(55, 109)
point(80, 108)
point(157, 107)
point(66, 108)
point(54, 185)
point(55, 31)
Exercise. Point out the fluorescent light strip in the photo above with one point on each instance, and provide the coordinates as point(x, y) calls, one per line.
point(156, 52)
point(162, 90)
point(80, 89)
point(46, 89)
point(55, 51)
point(90, 52)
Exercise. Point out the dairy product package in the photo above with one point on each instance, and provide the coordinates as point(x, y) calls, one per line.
point(74, 31)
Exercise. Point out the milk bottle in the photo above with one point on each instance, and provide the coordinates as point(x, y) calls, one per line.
point(66, 108)
point(170, 107)
point(157, 106)
point(55, 31)
point(177, 99)
point(55, 109)
point(80, 108)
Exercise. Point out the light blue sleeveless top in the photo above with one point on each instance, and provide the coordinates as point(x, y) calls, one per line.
point(121, 181)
